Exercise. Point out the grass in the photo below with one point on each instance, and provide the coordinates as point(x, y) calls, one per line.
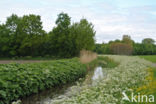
point(107, 62)
point(151, 58)
point(102, 61)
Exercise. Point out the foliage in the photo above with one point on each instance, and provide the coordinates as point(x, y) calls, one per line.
point(61, 44)
point(128, 76)
point(144, 49)
point(127, 46)
point(24, 36)
point(107, 62)
point(121, 49)
point(82, 36)
point(19, 80)
point(102, 48)
point(148, 41)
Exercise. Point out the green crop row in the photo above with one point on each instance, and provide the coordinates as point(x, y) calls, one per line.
point(19, 80)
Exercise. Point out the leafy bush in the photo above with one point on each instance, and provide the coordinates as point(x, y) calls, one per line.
point(19, 80)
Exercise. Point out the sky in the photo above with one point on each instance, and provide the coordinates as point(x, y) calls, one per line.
point(111, 18)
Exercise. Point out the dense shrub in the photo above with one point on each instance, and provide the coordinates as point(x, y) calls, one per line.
point(19, 80)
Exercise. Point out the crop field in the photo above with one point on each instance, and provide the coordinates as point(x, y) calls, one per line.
point(127, 74)
point(132, 75)
point(19, 80)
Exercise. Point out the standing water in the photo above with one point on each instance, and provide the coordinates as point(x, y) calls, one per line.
point(98, 73)
point(59, 92)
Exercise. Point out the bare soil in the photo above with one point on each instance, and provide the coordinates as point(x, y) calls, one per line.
point(20, 61)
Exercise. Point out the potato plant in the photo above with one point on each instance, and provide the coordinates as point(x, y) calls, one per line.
point(19, 80)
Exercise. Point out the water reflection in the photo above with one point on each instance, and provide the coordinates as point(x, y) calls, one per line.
point(98, 73)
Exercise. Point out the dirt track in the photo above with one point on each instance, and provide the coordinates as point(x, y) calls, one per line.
point(154, 64)
point(19, 61)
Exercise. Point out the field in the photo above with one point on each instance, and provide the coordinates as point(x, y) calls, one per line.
point(123, 74)
point(132, 75)
point(151, 58)
point(19, 80)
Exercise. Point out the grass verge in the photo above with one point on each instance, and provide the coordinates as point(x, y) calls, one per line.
point(151, 58)
point(102, 61)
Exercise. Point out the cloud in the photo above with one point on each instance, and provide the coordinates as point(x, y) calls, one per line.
point(111, 18)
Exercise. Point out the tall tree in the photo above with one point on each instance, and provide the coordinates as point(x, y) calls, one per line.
point(82, 35)
point(60, 36)
point(12, 24)
point(32, 31)
point(4, 41)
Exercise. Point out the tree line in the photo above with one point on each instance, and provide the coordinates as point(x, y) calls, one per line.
point(127, 46)
point(24, 36)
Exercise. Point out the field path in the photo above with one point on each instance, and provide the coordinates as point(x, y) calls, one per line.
point(20, 61)
point(154, 64)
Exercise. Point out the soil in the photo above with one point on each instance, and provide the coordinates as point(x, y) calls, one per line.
point(19, 61)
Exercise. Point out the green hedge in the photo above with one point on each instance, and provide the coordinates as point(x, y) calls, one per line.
point(19, 80)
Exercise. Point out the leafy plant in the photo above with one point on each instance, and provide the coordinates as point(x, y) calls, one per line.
point(19, 80)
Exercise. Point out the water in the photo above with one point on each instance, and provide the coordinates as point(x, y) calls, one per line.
point(62, 91)
point(98, 73)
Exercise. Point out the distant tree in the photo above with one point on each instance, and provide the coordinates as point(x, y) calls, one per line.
point(127, 40)
point(102, 48)
point(121, 48)
point(148, 41)
point(144, 49)
point(117, 41)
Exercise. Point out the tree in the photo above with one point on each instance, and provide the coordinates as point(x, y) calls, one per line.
point(4, 41)
point(24, 36)
point(103, 48)
point(12, 24)
point(148, 41)
point(31, 30)
point(61, 43)
point(121, 49)
point(127, 40)
point(82, 35)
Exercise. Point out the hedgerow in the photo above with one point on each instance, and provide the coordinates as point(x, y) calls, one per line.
point(19, 80)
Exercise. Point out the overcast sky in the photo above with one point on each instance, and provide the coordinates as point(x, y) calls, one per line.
point(111, 18)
